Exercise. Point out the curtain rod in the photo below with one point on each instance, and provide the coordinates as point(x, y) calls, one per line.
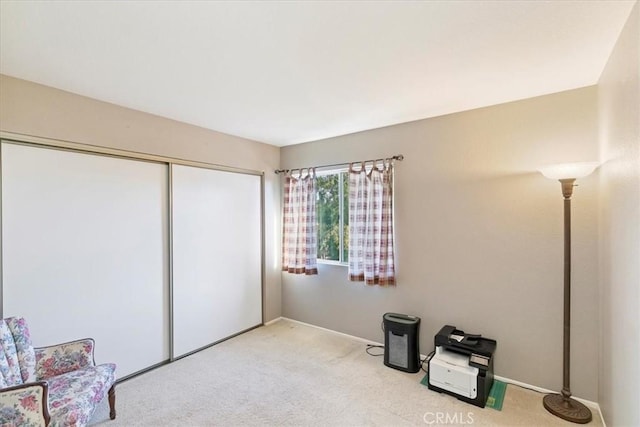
point(396, 157)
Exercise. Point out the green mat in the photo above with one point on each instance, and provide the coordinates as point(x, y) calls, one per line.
point(496, 394)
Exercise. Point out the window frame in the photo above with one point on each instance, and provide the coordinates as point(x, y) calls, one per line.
point(343, 174)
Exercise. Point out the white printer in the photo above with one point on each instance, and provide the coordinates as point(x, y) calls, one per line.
point(462, 365)
point(451, 371)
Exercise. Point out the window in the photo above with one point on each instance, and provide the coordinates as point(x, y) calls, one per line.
point(346, 219)
point(332, 205)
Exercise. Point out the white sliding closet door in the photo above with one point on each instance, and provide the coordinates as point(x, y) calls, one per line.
point(85, 251)
point(217, 262)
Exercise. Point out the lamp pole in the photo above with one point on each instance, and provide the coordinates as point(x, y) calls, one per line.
point(567, 190)
point(562, 405)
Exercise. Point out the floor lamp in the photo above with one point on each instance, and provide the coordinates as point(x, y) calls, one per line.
point(562, 405)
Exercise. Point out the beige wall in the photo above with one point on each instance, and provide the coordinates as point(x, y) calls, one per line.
point(32, 109)
point(479, 235)
point(619, 100)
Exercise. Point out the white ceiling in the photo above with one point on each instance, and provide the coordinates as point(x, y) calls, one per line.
point(290, 72)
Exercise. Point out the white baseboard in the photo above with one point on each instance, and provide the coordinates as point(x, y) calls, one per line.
point(271, 322)
point(589, 403)
point(331, 331)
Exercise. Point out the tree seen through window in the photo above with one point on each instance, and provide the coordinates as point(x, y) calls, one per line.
point(333, 216)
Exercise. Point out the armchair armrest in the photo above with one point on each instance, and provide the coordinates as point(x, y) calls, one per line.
point(62, 358)
point(25, 405)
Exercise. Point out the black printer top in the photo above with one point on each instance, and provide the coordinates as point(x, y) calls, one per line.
point(456, 340)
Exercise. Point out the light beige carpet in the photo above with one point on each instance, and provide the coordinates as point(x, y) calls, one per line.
point(292, 374)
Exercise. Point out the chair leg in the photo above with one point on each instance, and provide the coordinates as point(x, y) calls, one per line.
point(112, 402)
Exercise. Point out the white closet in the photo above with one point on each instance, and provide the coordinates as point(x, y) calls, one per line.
point(216, 255)
point(87, 252)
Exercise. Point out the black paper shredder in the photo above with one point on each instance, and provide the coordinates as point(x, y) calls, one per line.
point(401, 349)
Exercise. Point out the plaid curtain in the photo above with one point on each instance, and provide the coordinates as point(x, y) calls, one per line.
point(371, 223)
point(299, 229)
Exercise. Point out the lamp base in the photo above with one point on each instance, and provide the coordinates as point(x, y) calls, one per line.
point(567, 408)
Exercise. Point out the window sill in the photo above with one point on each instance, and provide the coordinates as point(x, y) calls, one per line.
point(329, 262)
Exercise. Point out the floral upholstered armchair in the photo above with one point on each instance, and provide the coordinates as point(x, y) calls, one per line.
point(57, 386)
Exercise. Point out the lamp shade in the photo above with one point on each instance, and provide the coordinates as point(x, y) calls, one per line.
point(568, 170)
